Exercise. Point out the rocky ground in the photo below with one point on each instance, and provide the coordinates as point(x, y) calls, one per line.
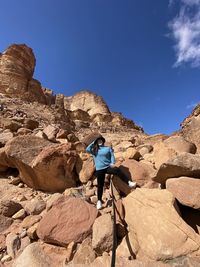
point(48, 191)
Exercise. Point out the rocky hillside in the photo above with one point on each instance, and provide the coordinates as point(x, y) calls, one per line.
point(48, 191)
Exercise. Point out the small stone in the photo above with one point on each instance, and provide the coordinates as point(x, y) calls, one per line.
point(32, 232)
point(15, 180)
point(21, 214)
point(25, 242)
point(93, 199)
point(6, 258)
point(30, 221)
point(20, 185)
point(35, 206)
point(94, 182)
point(23, 233)
point(90, 192)
point(21, 198)
point(89, 184)
point(13, 244)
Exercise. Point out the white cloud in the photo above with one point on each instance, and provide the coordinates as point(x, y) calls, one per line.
point(192, 105)
point(186, 33)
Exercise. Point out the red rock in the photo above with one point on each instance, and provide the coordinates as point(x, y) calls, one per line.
point(70, 219)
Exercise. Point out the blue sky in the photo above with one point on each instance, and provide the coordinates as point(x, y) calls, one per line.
point(141, 56)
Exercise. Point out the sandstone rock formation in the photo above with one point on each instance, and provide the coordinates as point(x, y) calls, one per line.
point(17, 66)
point(42, 147)
point(190, 127)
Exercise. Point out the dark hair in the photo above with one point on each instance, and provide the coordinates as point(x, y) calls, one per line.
point(96, 146)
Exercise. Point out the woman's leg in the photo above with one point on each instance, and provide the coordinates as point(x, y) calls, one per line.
point(117, 171)
point(100, 183)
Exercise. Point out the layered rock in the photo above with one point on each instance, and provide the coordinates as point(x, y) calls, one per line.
point(17, 65)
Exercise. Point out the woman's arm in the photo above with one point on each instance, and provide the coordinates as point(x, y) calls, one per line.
point(112, 157)
point(89, 148)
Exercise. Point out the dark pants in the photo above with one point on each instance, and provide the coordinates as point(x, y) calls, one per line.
point(100, 174)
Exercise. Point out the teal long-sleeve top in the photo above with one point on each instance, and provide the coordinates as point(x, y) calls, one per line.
point(104, 157)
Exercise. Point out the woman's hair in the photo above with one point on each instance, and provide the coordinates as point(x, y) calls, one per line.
point(96, 146)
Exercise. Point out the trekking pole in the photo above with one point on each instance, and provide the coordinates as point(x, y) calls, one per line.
point(114, 228)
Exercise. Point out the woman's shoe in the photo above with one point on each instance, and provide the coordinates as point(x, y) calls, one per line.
point(99, 204)
point(132, 184)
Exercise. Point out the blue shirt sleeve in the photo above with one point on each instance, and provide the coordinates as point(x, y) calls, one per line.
point(112, 156)
point(90, 147)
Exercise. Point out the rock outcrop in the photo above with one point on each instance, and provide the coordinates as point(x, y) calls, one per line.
point(17, 66)
point(190, 127)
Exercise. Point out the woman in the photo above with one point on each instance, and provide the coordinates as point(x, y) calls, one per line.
point(104, 160)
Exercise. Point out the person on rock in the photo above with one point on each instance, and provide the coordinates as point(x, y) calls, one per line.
point(104, 160)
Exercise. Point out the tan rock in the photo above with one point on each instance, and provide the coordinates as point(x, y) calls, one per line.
point(179, 144)
point(139, 172)
point(5, 137)
point(131, 153)
point(35, 206)
point(190, 127)
point(30, 221)
point(162, 153)
point(185, 164)
point(5, 222)
point(21, 214)
point(51, 131)
point(70, 219)
point(85, 254)
point(85, 169)
point(33, 256)
point(86, 101)
point(23, 131)
point(160, 232)
point(144, 149)
point(32, 232)
point(36, 159)
point(186, 190)
point(52, 199)
point(13, 244)
point(17, 65)
point(102, 234)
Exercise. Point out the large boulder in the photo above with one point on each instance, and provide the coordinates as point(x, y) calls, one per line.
point(179, 144)
point(57, 163)
point(157, 227)
point(184, 164)
point(161, 154)
point(69, 220)
point(186, 190)
point(42, 165)
point(138, 171)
